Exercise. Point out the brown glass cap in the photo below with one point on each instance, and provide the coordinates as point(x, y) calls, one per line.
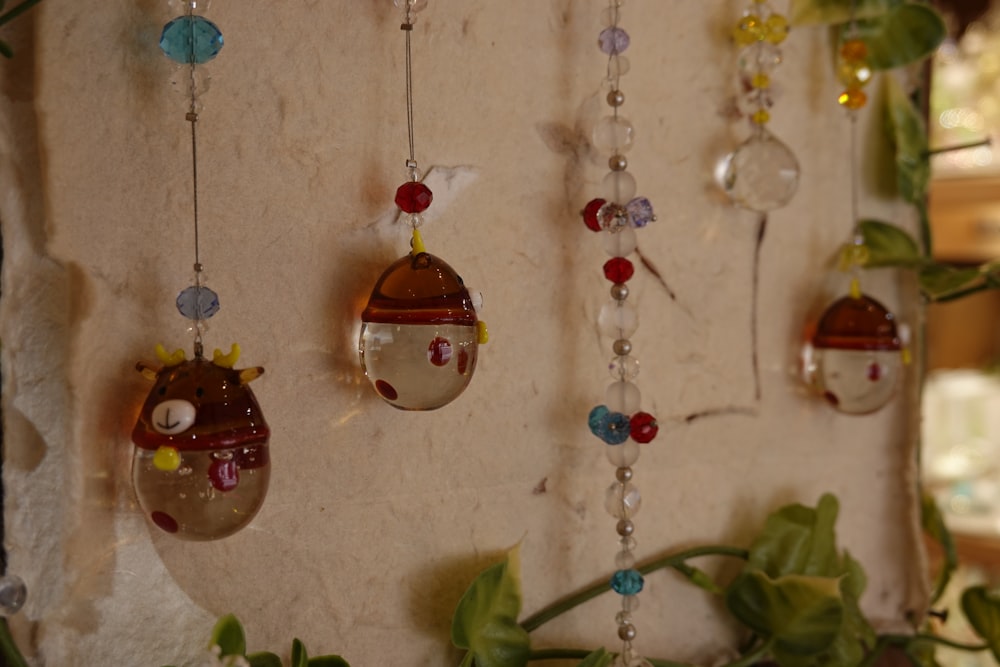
point(420, 289)
point(857, 324)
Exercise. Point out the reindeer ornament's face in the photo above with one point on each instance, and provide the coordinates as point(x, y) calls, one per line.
point(201, 464)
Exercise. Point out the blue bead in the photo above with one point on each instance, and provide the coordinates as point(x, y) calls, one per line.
point(597, 419)
point(197, 303)
point(617, 429)
point(640, 212)
point(191, 39)
point(626, 582)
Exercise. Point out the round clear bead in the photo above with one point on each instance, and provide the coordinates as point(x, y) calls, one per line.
point(624, 367)
point(622, 501)
point(630, 602)
point(623, 397)
point(190, 81)
point(618, 66)
point(618, 186)
point(620, 243)
point(624, 560)
point(761, 175)
point(13, 593)
point(611, 16)
point(613, 134)
point(624, 454)
point(623, 617)
point(618, 319)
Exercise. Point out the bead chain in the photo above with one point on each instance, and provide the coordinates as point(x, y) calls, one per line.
point(759, 32)
point(618, 214)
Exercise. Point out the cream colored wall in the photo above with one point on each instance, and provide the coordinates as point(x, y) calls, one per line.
point(377, 519)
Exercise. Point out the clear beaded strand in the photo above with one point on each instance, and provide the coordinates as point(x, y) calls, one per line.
point(190, 40)
point(618, 422)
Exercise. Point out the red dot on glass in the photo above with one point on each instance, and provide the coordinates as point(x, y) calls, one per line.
point(618, 270)
point(225, 475)
point(413, 197)
point(463, 361)
point(643, 427)
point(874, 371)
point(164, 521)
point(589, 214)
point(386, 390)
point(439, 351)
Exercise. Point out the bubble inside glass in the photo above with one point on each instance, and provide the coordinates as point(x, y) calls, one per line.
point(419, 337)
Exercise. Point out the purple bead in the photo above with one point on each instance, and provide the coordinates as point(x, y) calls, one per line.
point(640, 212)
point(613, 41)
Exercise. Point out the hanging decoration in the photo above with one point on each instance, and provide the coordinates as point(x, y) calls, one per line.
point(201, 465)
point(619, 422)
point(855, 356)
point(420, 332)
point(762, 174)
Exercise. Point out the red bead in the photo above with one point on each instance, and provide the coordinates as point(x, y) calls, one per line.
point(618, 270)
point(589, 214)
point(643, 427)
point(413, 197)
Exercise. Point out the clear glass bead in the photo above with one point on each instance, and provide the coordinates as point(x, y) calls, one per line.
point(622, 501)
point(612, 217)
point(618, 319)
point(627, 543)
point(755, 99)
point(630, 603)
point(624, 560)
point(13, 593)
point(611, 16)
point(624, 367)
point(614, 134)
point(762, 174)
point(625, 454)
point(623, 617)
point(182, 6)
point(415, 5)
point(190, 81)
point(758, 58)
point(623, 397)
point(618, 186)
point(640, 212)
point(620, 243)
point(618, 66)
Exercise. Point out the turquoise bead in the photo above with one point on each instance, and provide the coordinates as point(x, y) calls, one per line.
point(191, 39)
point(627, 582)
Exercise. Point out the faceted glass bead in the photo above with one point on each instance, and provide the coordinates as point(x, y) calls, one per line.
point(597, 418)
point(611, 427)
point(623, 397)
point(618, 186)
point(629, 602)
point(191, 39)
point(613, 134)
point(613, 41)
point(626, 582)
point(644, 427)
point(590, 212)
point(776, 28)
point(854, 74)
point(413, 197)
point(760, 57)
point(622, 501)
point(853, 99)
point(748, 30)
point(640, 212)
point(754, 100)
point(622, 455)
point(191, 82)
point(624, 367)
point(856, 362)
point(618, 319)
point(13, 594)
point(854, 50)
point(417, 309)
point(612, 217)
point(618, 270)
point(620, 243)
point(197, 302)
point(624, 560)
point(762, 174)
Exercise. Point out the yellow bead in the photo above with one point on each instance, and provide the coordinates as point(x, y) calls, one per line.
point(760, 116)
point(167, 459)
point(776, 28)
point(854, 74)
point(852, 98)
point(482, 333)
point(760, 80)
point(855, 289)
point(854, 51)
point(750, 29)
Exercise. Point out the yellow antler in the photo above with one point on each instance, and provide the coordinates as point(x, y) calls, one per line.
point(169, 359)
point(226, 360)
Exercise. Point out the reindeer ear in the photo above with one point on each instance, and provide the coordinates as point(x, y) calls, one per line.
point(147, 371)
point(227, 360)
point(169, 359)
point(248, 375)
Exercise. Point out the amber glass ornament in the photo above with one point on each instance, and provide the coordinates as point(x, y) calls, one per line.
point(420, 335)
point(201, 465)
point(856, 355)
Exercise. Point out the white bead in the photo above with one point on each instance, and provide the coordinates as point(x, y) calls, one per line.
point(619, 187)
point(624, 454)
point(623, 397)
point(620, 243)
point(613, 134)
point(618, 319)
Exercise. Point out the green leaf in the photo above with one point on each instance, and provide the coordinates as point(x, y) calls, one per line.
point(932, 522)
point(228, 635)
point(907, 33)
point(699, 578)
point(599, 658)
point(939, 281)
point(888, 245)
point(812, 12)
point(328, 661)
point(908, 134)
point(485, 620)
point(982, 609)
point(5, 49)
point(798, 540)
point(299, 656)
point(264, 659)
point(801, 615)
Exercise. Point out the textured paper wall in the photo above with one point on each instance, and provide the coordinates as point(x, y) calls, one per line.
point(376, 519)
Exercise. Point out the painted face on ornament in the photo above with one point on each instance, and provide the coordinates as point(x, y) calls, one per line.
point(201, 465)
point(420, 335)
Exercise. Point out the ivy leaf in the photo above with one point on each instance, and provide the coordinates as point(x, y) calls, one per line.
point(299, 656)
point(888, 245)
point(328, 661)
point(801, 615)
point(698, 577)
point(940, 281)
point(907, 33)
point(908, 134)
point(264, 659)
point(228, 635)
point(982, 609)
point(599, 658)
point(932, 521)
point(485, 621)
point(798, 540)
point(813, 12)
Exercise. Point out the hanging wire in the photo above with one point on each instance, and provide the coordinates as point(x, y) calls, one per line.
point(407, 28)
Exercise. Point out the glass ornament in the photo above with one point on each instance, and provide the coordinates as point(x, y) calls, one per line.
point(13, 594)
point(420, 334)
point(201, 463)
point(855, 357)
point(191, 39)
point(762, 174)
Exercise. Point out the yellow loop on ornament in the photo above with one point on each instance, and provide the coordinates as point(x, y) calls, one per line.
point(418, 242)
point(906, 356)
point(855, 288)
point(482, 333)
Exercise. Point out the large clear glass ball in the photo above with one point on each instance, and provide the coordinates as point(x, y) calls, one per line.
point(762, 174)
